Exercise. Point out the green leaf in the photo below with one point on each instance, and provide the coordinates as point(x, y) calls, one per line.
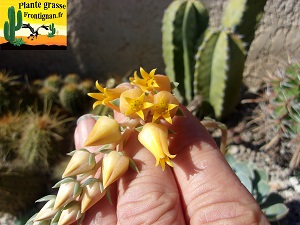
point(276, 212)
point(46, 198)
point(230, 159)
point(116, 102)
point(77, 190)
point(92, 160)
point(133, 165)
point(245, 180)
point(65, 180)
point(89, 181)
point(243, 167)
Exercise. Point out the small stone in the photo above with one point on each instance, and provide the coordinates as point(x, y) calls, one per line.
point(294, 181)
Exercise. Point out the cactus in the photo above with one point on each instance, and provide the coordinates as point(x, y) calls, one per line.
point(8, 85)
point(53, 81)
point(183, 23)
point(277, 116)
point(10, 126)
point(217, 69)
point(10, 27)
point(72, 78)
point(255, 180)
point(40, 137)
point(71, 98)
point(52, 29)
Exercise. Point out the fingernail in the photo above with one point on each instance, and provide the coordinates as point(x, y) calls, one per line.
point(84, 117)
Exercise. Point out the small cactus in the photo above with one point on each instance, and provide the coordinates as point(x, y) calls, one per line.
point(53, 81)
point(71, 98)
point(277, 116)
point(39, 140)
point(256, 181)
point(72, 78)
point(52, 29)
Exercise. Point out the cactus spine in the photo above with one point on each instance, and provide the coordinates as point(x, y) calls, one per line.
point(183, 23)
point(9, 27)
point(52, 29)
point(215, 69)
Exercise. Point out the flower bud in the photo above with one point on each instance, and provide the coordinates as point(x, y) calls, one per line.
point(91, 194)
point(70, 214)
point(155, 138)
point(114, 165)
point(81, 162)
point(105, 131)
point(68, 191)
point(163, 83)
point(47, 212)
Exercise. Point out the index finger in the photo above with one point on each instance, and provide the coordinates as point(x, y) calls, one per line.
point(211, 192)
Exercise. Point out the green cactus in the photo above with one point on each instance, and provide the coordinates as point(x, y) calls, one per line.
point(38, 144)
point(72, 78)
point(72, 98)
point(52, 29)
point(255, 180)
point(10, 27)
point(53, 81)
point(219, 71)
point(216, 72)
point(277, 116)
point(183, 24)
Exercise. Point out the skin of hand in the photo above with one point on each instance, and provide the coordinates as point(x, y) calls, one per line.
point(200, 189)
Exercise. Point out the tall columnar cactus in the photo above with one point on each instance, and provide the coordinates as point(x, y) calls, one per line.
point(52, 29)
point(217, 71)
point(10, 27)
point(183, 24)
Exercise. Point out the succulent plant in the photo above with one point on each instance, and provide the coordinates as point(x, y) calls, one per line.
point(277, 116)
point(72, 78)
point(53, 81)
point(72, 98)
point(8, 91)
point(39, 139)
point(256, 181)
point(10, 126)
point(209, 61)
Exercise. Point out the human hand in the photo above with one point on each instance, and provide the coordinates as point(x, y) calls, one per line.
point(200, 189)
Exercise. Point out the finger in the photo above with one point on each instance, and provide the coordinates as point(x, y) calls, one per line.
point(102, 211)
point(150, 196)
point(211, 193)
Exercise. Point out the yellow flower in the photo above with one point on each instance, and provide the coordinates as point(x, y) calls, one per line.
point(105, 131)
point(107, 95)
point(114, 165)
point(147, 82)
point(91, 194)
point(134, 102)
point(155, 138)
point(165, 105)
